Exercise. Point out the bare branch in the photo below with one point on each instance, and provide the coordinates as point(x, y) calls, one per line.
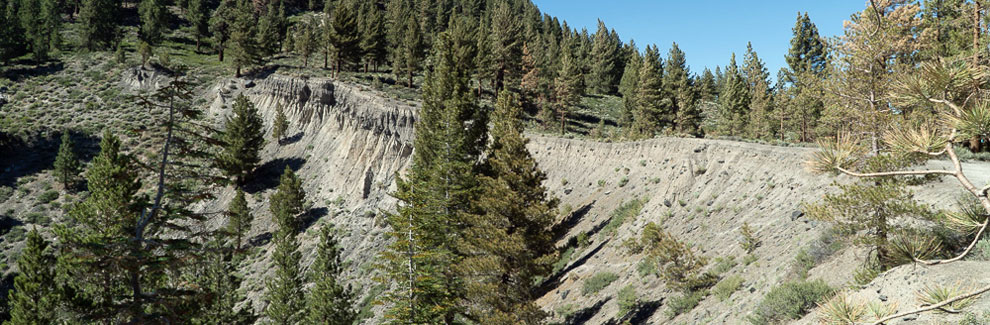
point(896, 173)
point(937, 306)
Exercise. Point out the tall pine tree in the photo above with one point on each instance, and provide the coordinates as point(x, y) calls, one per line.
point(242, 139)
point(100, 24)
point(239, 218)
point(329, 301)
point(437, 193)
point(606, 57)
point(647, 118)
point(33, 299)
point(284, 293)
point(67, 164)
point(512, 245)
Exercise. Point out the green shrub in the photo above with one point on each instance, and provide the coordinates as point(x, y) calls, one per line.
point(598, 282)
point(725, 288)
point(981, 252)
point(646, 267)
point(48, 196)
point(565, 258)
point(5, 193)
point(749, 259)
point(685, 303)
point(627, 299)
point(622, 213)
point(723, 265)
point(623, 181)
point(803, 262)
point(790, 301)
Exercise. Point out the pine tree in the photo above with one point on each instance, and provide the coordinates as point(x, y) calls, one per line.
point(40, 20)
point(67, 164)
point(33, 299)
point(103, 225)
point(199, 17)
point(373, 37)
point(280, 125)
point(306, 41)
point(567, 90)
point(242, 139)
point(239, 218)
point(678, 93)
point(244, 48)
point(605, 53)
point(649, 99)
point(505, 37)
point(284, 293)
point(100, 24)
point(344, 35)
point(270, 24)
point(329, 301)
point(807, 52)
point(733, 101)
point(222, 25)
point(705, 86)
point(629, 85)
point(287, 202)
point(437, 193)
point(411, 49)
point(153, 20)
point(761, 122)
point(514, 247)
point(217, 275)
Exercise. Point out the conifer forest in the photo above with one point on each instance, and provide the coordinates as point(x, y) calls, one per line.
point(486, 162)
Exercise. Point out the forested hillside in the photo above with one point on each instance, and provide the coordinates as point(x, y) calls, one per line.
point(369, 161)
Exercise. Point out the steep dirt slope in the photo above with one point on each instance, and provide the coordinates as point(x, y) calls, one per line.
point(347, 143)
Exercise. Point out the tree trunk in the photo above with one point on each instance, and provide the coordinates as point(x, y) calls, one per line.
point(220, 53)
point(197, 44)
point(410, 79)
point(976, 32)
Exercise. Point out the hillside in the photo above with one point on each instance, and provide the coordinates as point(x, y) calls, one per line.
point(348, 142)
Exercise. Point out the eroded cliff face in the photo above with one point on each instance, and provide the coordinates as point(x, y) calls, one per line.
point(348, 143)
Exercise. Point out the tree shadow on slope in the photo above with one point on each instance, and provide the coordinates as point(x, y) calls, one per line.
point(268, 174)
point(582, 316)
point(639, 315)
point(28, 70)
point(290, 140)
point(554, 280)
point(564, 226)
point(20, 158)
point(312, 216)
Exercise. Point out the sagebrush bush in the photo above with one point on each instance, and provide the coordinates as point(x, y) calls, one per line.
point(725, 288)
point(626, 211)
point(981, 252)
point(790, 301)
point(627, 299)
point(686, 302)
point(597, 282)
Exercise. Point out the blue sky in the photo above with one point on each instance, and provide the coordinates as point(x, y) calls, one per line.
point(708, 31)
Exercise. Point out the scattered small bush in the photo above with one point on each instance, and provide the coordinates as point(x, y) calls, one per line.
point(723, 264)
point(623, 181)
point(749, 241)
point(627, 300)
point(865, 274)
point(622, 213)
point(981, 252)
point(5, 193)
point(48, 197)
point(749, 259)
point(725, 288)
point(646, 268)
point(686, 302)
point(565, 258)
point(597, 282)
point(790, 301)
